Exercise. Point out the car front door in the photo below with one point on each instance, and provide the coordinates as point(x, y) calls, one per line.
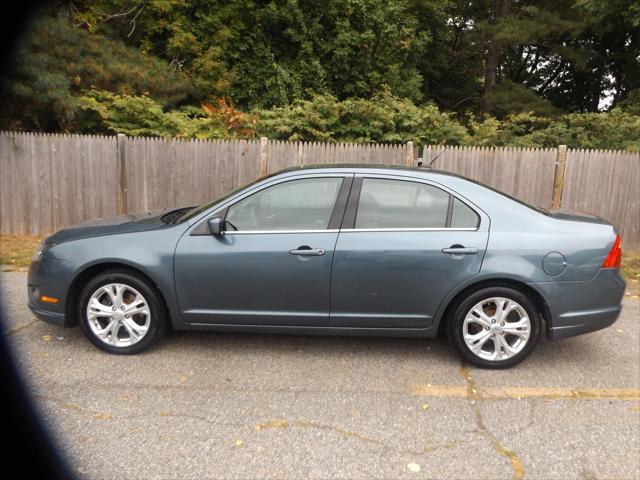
point(271, 265)
point(403, 246)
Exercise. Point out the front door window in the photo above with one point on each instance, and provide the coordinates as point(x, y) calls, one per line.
point(295, 205)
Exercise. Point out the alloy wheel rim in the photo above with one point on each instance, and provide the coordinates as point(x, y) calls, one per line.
point(496, 328)
point(118, 315)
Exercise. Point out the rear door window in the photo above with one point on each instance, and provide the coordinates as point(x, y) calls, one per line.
point(401, 204)
point(387, 203)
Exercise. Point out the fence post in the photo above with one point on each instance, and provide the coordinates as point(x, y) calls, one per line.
point(121, 139)
point(409, 157)
point(558, 179)
point(263, 155)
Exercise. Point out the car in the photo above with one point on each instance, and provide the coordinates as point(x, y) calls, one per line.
point(338, 250)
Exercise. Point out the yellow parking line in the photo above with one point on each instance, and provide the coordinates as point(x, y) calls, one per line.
point(497, 393)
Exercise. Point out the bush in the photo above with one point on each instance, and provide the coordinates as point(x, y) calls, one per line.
point(383, 118)
point(613, 130)
point(142, 116)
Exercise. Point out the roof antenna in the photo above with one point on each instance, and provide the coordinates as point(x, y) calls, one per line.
point(438, 156)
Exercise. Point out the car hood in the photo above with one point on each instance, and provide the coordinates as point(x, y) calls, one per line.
point(132, 222)
point(573, 215)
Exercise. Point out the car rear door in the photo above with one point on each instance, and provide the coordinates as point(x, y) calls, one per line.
point(272, 265)
point(403, 246)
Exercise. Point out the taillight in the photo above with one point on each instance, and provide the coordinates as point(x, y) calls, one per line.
point(615, 255)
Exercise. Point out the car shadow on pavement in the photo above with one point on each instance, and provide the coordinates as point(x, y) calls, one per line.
point(439, 348)
point(307, 344)
point(221, 344)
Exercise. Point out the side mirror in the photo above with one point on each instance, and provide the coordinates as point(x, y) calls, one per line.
point(216, 226)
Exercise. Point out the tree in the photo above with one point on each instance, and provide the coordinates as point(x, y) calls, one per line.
point(504, 57)
point(262, 54)
point(500, 11)
point(55, 62)
point(574, 54)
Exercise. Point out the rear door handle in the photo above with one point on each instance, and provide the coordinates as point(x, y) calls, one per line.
point(460, 250)
point(307, 251)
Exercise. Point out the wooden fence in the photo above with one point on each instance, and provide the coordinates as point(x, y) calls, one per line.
point(51, 181)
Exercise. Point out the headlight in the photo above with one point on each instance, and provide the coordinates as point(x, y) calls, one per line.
point(40, 251)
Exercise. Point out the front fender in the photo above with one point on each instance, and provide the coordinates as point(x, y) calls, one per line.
point(66, 266)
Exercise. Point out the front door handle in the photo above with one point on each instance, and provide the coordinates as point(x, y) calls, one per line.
point(307, 251)
point(455, 250)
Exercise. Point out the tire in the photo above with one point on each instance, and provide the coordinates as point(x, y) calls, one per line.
point(488, 339)
point(124, 302)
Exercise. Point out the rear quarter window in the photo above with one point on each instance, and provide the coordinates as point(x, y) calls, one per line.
point(463, 216)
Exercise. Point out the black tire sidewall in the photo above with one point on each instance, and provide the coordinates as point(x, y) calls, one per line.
point(455, 330)
point(158, 320)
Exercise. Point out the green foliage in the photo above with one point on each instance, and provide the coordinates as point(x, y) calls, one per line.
point(614, 130)
point(56, 62)
point(142, 116)
point(302, 120)
point(631, 104)
point(336, 70)
point(511, 98)
point(264, 54)
point(384, 118)
point(137, 116)
point(569, 53)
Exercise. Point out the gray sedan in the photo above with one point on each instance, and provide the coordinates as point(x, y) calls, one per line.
point(339, 250)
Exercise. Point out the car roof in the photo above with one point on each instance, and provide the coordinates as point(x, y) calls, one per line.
point(363, 167)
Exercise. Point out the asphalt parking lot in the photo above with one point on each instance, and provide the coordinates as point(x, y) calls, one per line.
point(211, 405)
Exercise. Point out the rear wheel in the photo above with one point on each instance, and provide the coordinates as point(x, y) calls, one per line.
point(496, 327)
point(121, 313)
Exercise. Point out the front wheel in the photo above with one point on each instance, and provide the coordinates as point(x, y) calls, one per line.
point(121, 313)
point(496, 327)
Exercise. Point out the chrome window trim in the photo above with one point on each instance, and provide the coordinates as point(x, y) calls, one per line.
point(409, 229)
point(350, 230)
point(268, 232)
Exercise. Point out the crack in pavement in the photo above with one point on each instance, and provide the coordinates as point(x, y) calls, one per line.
point(271, 424)
point(20, 327)
point(472, 395)
point(283, 423)
point(102, 415)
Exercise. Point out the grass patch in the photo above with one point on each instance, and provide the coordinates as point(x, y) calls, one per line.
point(16, 251)
point(631, 271)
